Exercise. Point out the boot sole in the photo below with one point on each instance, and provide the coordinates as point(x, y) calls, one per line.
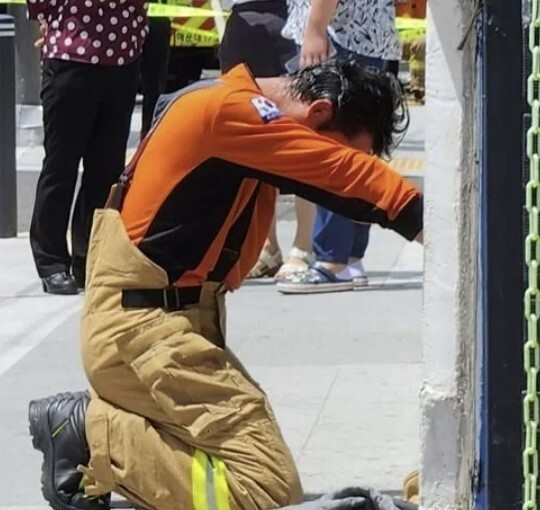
point(40, 432)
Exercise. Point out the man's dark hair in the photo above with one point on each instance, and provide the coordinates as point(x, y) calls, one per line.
point(364, 98)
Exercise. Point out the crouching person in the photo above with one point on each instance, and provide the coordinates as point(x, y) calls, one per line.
point(173, 420)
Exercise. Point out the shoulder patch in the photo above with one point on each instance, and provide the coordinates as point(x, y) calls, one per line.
point(266, 109)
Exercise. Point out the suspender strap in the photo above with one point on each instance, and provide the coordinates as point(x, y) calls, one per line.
point(118, 190)
point(235, 239)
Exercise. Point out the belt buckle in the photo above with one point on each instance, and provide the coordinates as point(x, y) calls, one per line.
point(177, 303)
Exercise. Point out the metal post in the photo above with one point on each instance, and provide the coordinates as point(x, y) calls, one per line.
point(27, 59)
point(502, 151)
point(8, 174)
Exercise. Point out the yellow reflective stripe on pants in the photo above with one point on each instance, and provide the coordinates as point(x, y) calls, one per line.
point(209, 483)
point(198, 480)
point(220, 484)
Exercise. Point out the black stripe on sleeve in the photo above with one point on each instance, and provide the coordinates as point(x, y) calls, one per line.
point(408, 223)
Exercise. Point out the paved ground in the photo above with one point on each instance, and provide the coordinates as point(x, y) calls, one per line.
point(342, 370)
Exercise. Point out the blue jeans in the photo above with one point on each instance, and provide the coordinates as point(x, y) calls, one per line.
point(336, 238)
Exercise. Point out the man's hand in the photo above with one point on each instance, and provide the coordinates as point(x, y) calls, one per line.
point(43, 27)
point(315, 48)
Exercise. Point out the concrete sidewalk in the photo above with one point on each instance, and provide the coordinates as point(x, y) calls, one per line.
point(342, 370)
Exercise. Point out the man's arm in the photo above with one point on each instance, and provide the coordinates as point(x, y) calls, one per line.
point(316, 45)
point(282, 153)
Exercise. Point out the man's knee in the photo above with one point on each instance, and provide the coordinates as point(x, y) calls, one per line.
point(262, 471)
point(273, 489)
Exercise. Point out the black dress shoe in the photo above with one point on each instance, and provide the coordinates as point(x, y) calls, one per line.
point(60, 283)
point(58, 430)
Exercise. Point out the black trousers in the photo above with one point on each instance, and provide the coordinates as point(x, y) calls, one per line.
point(253, 37)
point(154, 66)
point(86, 115)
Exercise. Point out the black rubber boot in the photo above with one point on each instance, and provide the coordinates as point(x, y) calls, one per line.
point(58, 431)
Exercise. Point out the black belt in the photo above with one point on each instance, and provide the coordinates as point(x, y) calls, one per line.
point(170, 298)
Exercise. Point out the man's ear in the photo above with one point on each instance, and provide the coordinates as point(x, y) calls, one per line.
point(319, 113)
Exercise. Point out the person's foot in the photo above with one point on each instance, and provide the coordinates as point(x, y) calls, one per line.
point(267, 265)
point(324, 277)
point(313, 280)
point(354, 271)
point(61, 283)
point(58, 430)
point(297, 261)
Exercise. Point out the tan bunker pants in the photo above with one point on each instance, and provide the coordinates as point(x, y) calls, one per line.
point(175, 421)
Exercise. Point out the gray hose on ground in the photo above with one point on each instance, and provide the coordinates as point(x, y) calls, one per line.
point(353, 498)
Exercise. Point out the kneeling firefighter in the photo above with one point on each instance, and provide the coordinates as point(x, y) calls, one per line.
point(174, 421)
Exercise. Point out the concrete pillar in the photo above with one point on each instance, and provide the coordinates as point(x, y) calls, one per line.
point(451, 213)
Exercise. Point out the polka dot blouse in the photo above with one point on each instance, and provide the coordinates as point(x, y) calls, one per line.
point(106, 32)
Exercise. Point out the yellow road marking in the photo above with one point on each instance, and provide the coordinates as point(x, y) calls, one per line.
point(408, 165)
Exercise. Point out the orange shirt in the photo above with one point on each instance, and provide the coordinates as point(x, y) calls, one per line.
point(411, 8)
point(203, 192)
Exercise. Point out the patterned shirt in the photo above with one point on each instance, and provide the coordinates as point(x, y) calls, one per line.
point(105, 32)
point(366, 27)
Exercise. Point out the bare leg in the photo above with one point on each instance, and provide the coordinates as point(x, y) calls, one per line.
point(305, 215)
point(302, 251)
point(272, 244)
point(270, 259)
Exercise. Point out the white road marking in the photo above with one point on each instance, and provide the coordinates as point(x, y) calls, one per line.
point(26, 322)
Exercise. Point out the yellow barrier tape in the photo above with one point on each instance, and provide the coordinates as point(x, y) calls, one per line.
point(411, 24)
point(180, 11)
point(156, 10)
point(410, 29)
point(415, 65)
point(408, 36)
point(188, 36)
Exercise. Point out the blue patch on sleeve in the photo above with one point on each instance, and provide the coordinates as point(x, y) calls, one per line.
point(267, 110)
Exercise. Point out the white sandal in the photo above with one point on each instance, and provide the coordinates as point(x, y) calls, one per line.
point(290, 268)
point(267, 265)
